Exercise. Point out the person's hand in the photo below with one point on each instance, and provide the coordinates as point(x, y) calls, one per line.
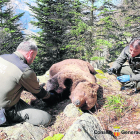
point(49, 95)
point(42, 85)
point(52, 94)
point(124, 78)
point(52, 99)
point(111, 71)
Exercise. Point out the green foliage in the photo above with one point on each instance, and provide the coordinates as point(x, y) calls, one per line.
point(55, 137)
point(10, 32)
point(127, 34)
point(100, 74)
point(65, 34)
point(100, 42)
point(97, 58)
point(77, 30)
point(116, 103)
point(81, 112)
point(118, 25)
point(55, 18)
point(99, 71)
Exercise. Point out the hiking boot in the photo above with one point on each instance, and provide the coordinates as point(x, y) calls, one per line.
point(137, 91)
point(128, 85)
point(126, 88)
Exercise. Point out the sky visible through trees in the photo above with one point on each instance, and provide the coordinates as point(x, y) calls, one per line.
point(20, 7)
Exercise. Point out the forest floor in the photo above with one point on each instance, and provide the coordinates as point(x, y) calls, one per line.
point(119, 108)
point(115, 108)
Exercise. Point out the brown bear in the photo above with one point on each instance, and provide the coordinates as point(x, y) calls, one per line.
point(84, 95)
point(77, 76)
point(83, 65)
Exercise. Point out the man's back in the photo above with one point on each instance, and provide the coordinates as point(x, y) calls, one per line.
point(11, 70)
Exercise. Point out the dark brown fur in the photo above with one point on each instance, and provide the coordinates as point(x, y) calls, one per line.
point(82, 83)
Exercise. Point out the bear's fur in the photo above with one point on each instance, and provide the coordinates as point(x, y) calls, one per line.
point(77, 76)
point(83, 65)
point(84, 95)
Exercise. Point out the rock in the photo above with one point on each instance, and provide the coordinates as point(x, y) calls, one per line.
point(3, 135)
point(134, 104)
point(72, 111)
point(23, 131)
point(138, 126)
point(44, 78)
point(86, 127)
point(51, 134)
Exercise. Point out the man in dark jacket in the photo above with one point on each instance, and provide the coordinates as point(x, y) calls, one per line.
point(130, 74)
point(15, 76)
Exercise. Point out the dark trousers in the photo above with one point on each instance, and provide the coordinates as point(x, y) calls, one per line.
point(23, 112)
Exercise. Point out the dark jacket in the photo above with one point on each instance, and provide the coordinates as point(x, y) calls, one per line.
point(134, 63)
point(15, 76)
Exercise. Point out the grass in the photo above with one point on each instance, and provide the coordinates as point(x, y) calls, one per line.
point(116, 103)
point(55, 137)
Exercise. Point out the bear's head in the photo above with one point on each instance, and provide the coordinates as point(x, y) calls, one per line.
point(52, 84)
point(56, 83)
point(84, 95)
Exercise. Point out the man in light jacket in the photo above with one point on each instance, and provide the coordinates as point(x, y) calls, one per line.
point(16, 76)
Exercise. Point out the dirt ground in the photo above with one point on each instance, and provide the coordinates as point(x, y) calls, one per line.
point(128, 119)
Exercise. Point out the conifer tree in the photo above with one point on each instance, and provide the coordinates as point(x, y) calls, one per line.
point(10, 29)
point(119, 24)
point(55, 19)
point(85, 35)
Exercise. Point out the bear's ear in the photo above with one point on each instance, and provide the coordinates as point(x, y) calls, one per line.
point(95, 87)
point(53, 79)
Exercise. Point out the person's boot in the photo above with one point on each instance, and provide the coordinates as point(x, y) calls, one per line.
point(128, 86)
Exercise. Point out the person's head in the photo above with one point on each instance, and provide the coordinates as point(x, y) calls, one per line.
point(28, 49)
point(135, 47)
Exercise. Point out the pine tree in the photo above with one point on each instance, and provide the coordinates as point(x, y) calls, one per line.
point(85, 33)
point(119, 24)
point(10, 29)
point(55, 19)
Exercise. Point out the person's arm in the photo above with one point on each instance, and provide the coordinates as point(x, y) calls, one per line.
point(135, 77)
point(121, 59)
point(126, 78)
point(30, 83)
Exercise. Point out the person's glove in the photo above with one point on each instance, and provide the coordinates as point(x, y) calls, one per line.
point(124, 78)
point(53, 99)
point(52, 95)
point(111, 71)
point(42, 85)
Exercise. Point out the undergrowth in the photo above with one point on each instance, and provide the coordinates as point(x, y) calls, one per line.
point(116, 103)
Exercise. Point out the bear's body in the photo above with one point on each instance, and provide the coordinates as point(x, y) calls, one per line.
point(77, 76)
point(83, 65)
